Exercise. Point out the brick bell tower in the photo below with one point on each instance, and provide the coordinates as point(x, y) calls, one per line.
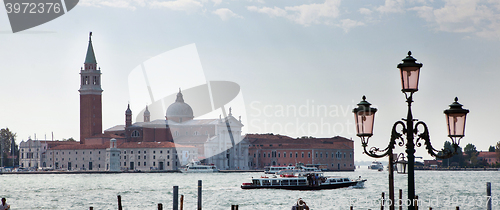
point(90, 96)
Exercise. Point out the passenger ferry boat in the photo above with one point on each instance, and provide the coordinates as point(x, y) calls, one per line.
point(276, 169)
point(377, 166)
point(303, 181)
point(197, 167)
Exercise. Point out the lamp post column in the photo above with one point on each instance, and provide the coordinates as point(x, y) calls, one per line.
point(410, 150)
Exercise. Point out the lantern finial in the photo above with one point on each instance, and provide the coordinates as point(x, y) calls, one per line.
point(409, 53)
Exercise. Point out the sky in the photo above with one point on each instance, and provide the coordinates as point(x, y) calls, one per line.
point(302, 66)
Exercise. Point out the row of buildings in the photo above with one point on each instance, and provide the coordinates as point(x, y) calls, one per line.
point(170, 143)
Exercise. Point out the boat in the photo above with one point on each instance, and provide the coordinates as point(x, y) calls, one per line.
point(197, 167)
point(376, 166)
point(303, 181)
point(276, 169)
point(298, 169)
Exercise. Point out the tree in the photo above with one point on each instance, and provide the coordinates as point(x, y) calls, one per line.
point(8, 147)
point(497, 150)
point(491, 149)
point(70, 139)
point(457, 159)
point(470, 150)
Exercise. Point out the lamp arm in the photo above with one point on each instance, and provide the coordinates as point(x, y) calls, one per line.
point(445, 152)
point(379, 153)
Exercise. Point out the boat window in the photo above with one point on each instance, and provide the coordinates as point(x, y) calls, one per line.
point(285, 182)
point(302, 182)
point(333, 180)
point(293, 182)
point(266, 182)
point(276, 182)
point(339, 180)
point(346, 179)
point(256, 182)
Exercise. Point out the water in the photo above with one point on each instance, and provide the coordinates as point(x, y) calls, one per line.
point(220, 191)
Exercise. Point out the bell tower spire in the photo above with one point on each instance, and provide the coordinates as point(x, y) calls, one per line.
point(90, 96)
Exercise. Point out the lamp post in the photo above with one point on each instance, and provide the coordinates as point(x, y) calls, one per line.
point(365, 116)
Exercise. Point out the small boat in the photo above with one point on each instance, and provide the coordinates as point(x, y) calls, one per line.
point(276, 169)
point(197, 167)
point(303, 181)
point(377, 166)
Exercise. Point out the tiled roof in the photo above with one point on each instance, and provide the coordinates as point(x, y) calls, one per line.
point(127, 145)
point(265, 141)
point(150, 145)
point(487, 155)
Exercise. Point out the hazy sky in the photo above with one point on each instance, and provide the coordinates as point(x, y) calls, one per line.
point(302, 65)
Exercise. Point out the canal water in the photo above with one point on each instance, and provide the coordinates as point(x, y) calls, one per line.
point(438, 189)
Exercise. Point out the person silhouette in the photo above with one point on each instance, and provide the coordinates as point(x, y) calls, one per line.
point(4, 205)
point(300, 205)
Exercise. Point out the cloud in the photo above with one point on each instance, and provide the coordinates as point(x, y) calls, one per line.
point(226, 14)
point(305, 14)
point(274, 12)
point(365, 11)
point(347, 24)
point(125, 4)
point(178, 5)
point(217, 2)
point(464, 16)
point(391, 6)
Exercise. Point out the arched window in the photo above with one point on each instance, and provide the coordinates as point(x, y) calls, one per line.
point(136, 134)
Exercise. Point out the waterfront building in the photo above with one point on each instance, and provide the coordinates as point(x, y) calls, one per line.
point(336, 153)
point(489, 157)
point(211, 137)
point(161, 144)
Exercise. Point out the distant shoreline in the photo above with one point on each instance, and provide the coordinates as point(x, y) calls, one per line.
point(457, 169)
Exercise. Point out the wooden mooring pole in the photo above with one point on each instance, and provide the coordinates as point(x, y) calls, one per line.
point(91, 208)
point(182, 202)
point(199, 194)
point(382, 202)
point(488, 194)
point(416, 202)
point(176, 198)
point(400, 199)
point(234, 207)
point(160, 206)
point(120, 202)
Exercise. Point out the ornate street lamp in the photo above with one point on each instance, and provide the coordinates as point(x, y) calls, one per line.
point(365, 116)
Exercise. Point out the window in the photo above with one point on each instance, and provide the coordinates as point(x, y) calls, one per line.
point(168, 157)
point(284, 154)
point(154, 151)
point(154, 157)
point(124, 152)
point(125, 157)
point(138, 157)
point(144, 163)
point(291, 154)
point(138, 163)
point(154, 163)
point(168, 163)
point(344, 155)
point(279, 155)
point(264, 154)
point(321, 155)
point(124, 163)
point(296, 155)
point(302, 154)
point(326, 154)
point(309, 155)
point(138, 152)
point(161, 151)
point(144, 151)
point(135, 134)
point(144, 156)
point(254, 155)
point(316, 155)
point(90, 152)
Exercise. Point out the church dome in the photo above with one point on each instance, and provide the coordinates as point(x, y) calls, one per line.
point(179, 109)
